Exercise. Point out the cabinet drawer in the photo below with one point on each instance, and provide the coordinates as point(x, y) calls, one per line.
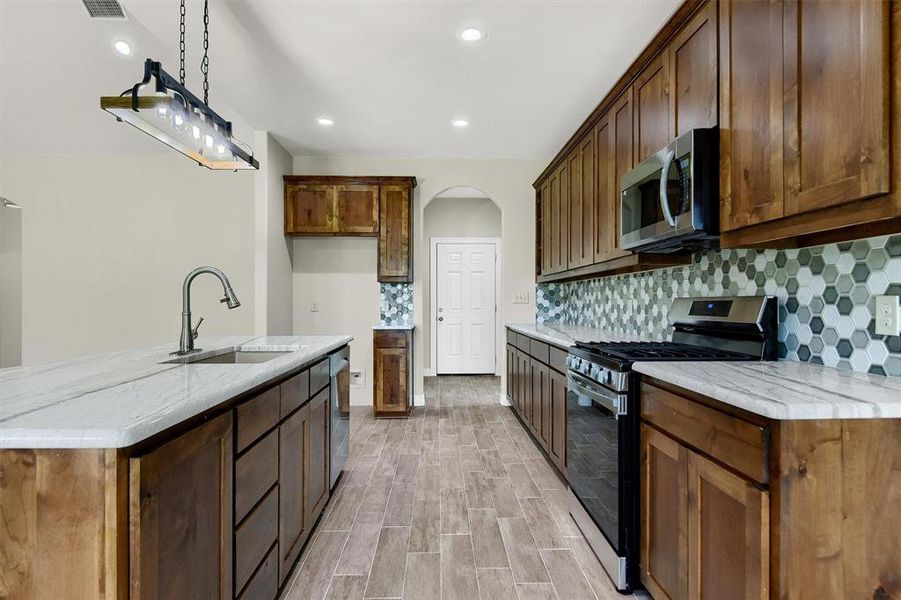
point(255, 472)
point(256, 416)
point(733, 441)
point(511, 337)
point(319, 376)
point(294, 392)
point(264, 583)
point(539, 350)
point(557, 359)
point(390, 339)
point(254, 537)
point(522, 342)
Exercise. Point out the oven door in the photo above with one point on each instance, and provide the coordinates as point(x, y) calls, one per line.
point(593, 461)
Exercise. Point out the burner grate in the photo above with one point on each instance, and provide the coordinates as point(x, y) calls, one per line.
point(660, 351)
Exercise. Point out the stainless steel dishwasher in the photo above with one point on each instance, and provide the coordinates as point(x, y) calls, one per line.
point(339, 396)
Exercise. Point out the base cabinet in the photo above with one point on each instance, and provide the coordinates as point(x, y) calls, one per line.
point(392, 358)
point(293, 526)
point(181, 516)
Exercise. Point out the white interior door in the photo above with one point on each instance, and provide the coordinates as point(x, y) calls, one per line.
point(466, 307)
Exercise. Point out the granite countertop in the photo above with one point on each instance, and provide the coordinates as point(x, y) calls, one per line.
point(117, 399)
point(393, 327)
point(565, 336)
point(785, 390)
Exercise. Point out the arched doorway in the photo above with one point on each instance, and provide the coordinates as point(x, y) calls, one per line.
point(462, 224)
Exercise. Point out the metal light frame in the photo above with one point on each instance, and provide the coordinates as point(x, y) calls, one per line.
point(171, 99)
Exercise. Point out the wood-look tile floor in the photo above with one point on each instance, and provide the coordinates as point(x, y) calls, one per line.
point(455, 502)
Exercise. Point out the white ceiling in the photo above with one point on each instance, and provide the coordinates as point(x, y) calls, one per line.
point(391, 74)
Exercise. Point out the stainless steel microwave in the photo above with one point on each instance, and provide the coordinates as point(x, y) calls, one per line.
point(670, 201)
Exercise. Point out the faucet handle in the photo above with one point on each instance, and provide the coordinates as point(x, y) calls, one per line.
point(196, 327)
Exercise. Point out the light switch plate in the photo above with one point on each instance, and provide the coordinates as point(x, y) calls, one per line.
point(887, 318)
point(314, 306)
point(521, 298)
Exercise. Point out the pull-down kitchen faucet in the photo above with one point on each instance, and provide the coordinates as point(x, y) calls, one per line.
point(189, 334)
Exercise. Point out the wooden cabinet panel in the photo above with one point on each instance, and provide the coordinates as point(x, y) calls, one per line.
point(589, 190)
point(511, 373)
point(181, 516)
point(558, 219)
point(293, 393)
point(319, 376)
point(391, 369)
point(395, 234)
point(623, 161)
point(652, 108)
point(357, 207)
point(310, 208)
point(264, 584)
point(255, 472)
point(293, 527)
point(545, 229)
point(539, 384)
point(836, 77)
point(664, 516)
point(728, 540)
point(525, 388)
point(256, 417)
point(557, 400)
point(693, 73)
point(576, 213)
point(606, 196)
point(255, 537)
point(751, 113)
point(318, 456)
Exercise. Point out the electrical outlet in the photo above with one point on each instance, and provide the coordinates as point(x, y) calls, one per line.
point(521, 298)
point(887, 318)
point(357, 379)
point(314, 306)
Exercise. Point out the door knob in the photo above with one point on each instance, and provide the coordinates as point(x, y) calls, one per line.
point(440, 318)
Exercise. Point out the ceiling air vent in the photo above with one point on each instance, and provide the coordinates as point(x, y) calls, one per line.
point(104, 9)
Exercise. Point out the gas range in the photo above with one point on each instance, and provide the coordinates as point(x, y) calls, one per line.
point(602, 453)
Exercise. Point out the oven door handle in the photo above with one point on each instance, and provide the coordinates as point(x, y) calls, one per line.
point(664, 194)
point(615, 403)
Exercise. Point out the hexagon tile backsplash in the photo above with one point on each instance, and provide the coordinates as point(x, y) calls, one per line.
point(826, 298)
point(395, 303)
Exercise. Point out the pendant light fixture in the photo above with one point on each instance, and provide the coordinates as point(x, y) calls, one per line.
point(162, 107)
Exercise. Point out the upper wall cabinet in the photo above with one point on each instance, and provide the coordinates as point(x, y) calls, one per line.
point(804, 118)
point(651, 117)
point(693, 71)
point(356, 206)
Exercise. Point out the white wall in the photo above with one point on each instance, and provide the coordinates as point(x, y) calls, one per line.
point(507, 182)
point(272, 263)
point(452, 217)
point(339, 275)
point(108, 239)
point(10, 287)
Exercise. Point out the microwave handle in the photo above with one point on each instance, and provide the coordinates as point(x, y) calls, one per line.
point(664, 196)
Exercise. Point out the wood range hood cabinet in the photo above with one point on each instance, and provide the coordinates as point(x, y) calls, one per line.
point(333, 206)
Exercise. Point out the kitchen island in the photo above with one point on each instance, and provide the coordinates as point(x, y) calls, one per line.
point(129, 475)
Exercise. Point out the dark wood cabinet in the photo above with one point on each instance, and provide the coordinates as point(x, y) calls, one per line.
point(536, 389)
point(693, 64)
point(651, 117)
point(180, 533)
point(606, 199)
point(623, 156)
point(318, 452)
point(295, 469)
point(580, 221)
point(558, 223)
point(395, 233)
point(322, 205)
point(392, 370)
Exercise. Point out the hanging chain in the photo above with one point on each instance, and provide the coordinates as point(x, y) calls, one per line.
point(205, 63)
point(181, 44)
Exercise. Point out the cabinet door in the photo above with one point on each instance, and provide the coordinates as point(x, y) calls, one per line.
point(318, 456)
point(557, 222)
point(395, 234)
point(546, 257)
point(557, 418)
point(525, 386)
point(310, 209)
point(652, 105)
point(586, 178)
point(576, 213)
point(836, 102)
point(664, 516)
point(357, 209)
point(511, 374)
point(606, 196)
point(181, 516)
point(623, 160)
point(728, 534)
point(391, 393)
point(751, 129)
point(538, 381)
point(293, 526)
point(693, 73)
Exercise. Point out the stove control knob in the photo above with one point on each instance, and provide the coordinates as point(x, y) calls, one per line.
point(585, 367)
point(608, 378)
point(596, 373)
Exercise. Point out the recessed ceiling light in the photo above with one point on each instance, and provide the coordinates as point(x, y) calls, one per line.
point(471, 34)
point(122, 47)
point(460, 123)
point(325, 121)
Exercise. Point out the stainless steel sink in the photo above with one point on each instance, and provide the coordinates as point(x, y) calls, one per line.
point(228, 357)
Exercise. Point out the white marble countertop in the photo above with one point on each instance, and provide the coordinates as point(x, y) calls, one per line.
point(565, 336)
point(785, 390)
point(117, 399)
point(393, 327)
